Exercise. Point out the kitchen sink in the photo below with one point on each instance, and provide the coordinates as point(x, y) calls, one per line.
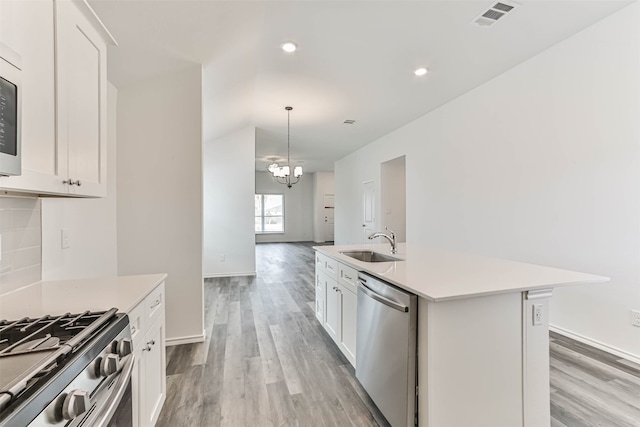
point(368, 256)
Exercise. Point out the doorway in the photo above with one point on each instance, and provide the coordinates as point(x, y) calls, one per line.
point(329, 209)
point(393, 197)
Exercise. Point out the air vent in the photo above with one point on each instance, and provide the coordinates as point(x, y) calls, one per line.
point(349, 122)
point(494, 13)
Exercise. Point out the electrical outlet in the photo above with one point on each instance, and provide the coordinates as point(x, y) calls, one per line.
point(537, 314)
point(64, 239)
point(635, 317)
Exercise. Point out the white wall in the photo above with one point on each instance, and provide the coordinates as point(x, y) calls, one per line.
point(298, 208)
point(90, 223)
point(229, 183)
point(159, 192)
point(541, 164)
point(323, 183)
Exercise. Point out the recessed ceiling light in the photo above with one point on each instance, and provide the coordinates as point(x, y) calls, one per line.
point(421, 71)
point(289, 47)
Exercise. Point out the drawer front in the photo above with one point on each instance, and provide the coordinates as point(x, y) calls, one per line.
point(137, 324)
point(154, 304)
point(348, 277)
point(327, 265)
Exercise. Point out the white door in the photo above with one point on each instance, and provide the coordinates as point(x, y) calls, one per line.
point(368, 211)
point(329, 209)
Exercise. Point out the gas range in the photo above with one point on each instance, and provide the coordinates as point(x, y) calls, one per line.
point(70, 369)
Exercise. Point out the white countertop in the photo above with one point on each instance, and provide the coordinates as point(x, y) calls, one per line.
point(441, 275)
point(78, 295)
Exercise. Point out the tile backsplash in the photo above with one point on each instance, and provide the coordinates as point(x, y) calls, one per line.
point(20, 242)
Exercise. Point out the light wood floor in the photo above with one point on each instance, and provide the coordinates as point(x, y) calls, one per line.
point(267, 362)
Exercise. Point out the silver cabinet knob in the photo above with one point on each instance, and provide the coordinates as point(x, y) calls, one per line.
point(124, 347)
point(110, 365)
point(75, 403)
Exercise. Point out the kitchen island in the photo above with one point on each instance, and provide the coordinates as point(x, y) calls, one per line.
point(483, 354)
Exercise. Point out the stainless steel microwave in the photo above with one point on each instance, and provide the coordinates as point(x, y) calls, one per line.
point(10, 112)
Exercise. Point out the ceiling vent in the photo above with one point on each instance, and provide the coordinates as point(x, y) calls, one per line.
point(494, 13)
point(349, 122)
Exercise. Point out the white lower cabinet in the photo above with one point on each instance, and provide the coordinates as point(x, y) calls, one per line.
point(148, 381)
point(153, 361)
point(336, 303)
point(348, 313)
point(333, 319)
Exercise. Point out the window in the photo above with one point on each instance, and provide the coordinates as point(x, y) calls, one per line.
point(269, 213)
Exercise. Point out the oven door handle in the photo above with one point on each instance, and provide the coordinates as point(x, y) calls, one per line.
point(108, 410)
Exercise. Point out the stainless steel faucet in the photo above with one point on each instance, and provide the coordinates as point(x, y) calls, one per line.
point(391, 237)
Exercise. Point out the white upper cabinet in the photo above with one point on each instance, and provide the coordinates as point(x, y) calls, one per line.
point(82, 104)
point(27, 27)
point(63, 48)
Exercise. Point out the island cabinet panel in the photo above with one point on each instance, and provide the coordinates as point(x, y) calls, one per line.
point(535, 349)
point(336, 303)
point(470, 354)
point(320, 296)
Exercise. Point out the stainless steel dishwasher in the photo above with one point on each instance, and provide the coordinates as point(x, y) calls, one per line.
point(386, 348)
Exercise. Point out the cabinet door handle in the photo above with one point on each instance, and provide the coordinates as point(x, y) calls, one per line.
point(133, 330)
point(78, 183)
point(155, 303)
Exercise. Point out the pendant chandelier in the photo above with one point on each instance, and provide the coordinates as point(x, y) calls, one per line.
point(283, 173)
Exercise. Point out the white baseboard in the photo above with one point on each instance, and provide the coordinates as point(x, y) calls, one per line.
point(597, 344)
point(186, 340)
point(211, 276)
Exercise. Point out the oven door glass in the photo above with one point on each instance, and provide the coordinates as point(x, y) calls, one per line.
point(123, 417)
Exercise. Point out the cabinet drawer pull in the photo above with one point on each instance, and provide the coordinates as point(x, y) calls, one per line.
point(133, 330)
point(329, 267)
point(347, 276)
point(155, 303)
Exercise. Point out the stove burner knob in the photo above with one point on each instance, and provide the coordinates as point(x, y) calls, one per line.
point(110, 365)
point(75, 403)
point(124, 347)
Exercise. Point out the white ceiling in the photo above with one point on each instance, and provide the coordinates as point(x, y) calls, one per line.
point(355, 60)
